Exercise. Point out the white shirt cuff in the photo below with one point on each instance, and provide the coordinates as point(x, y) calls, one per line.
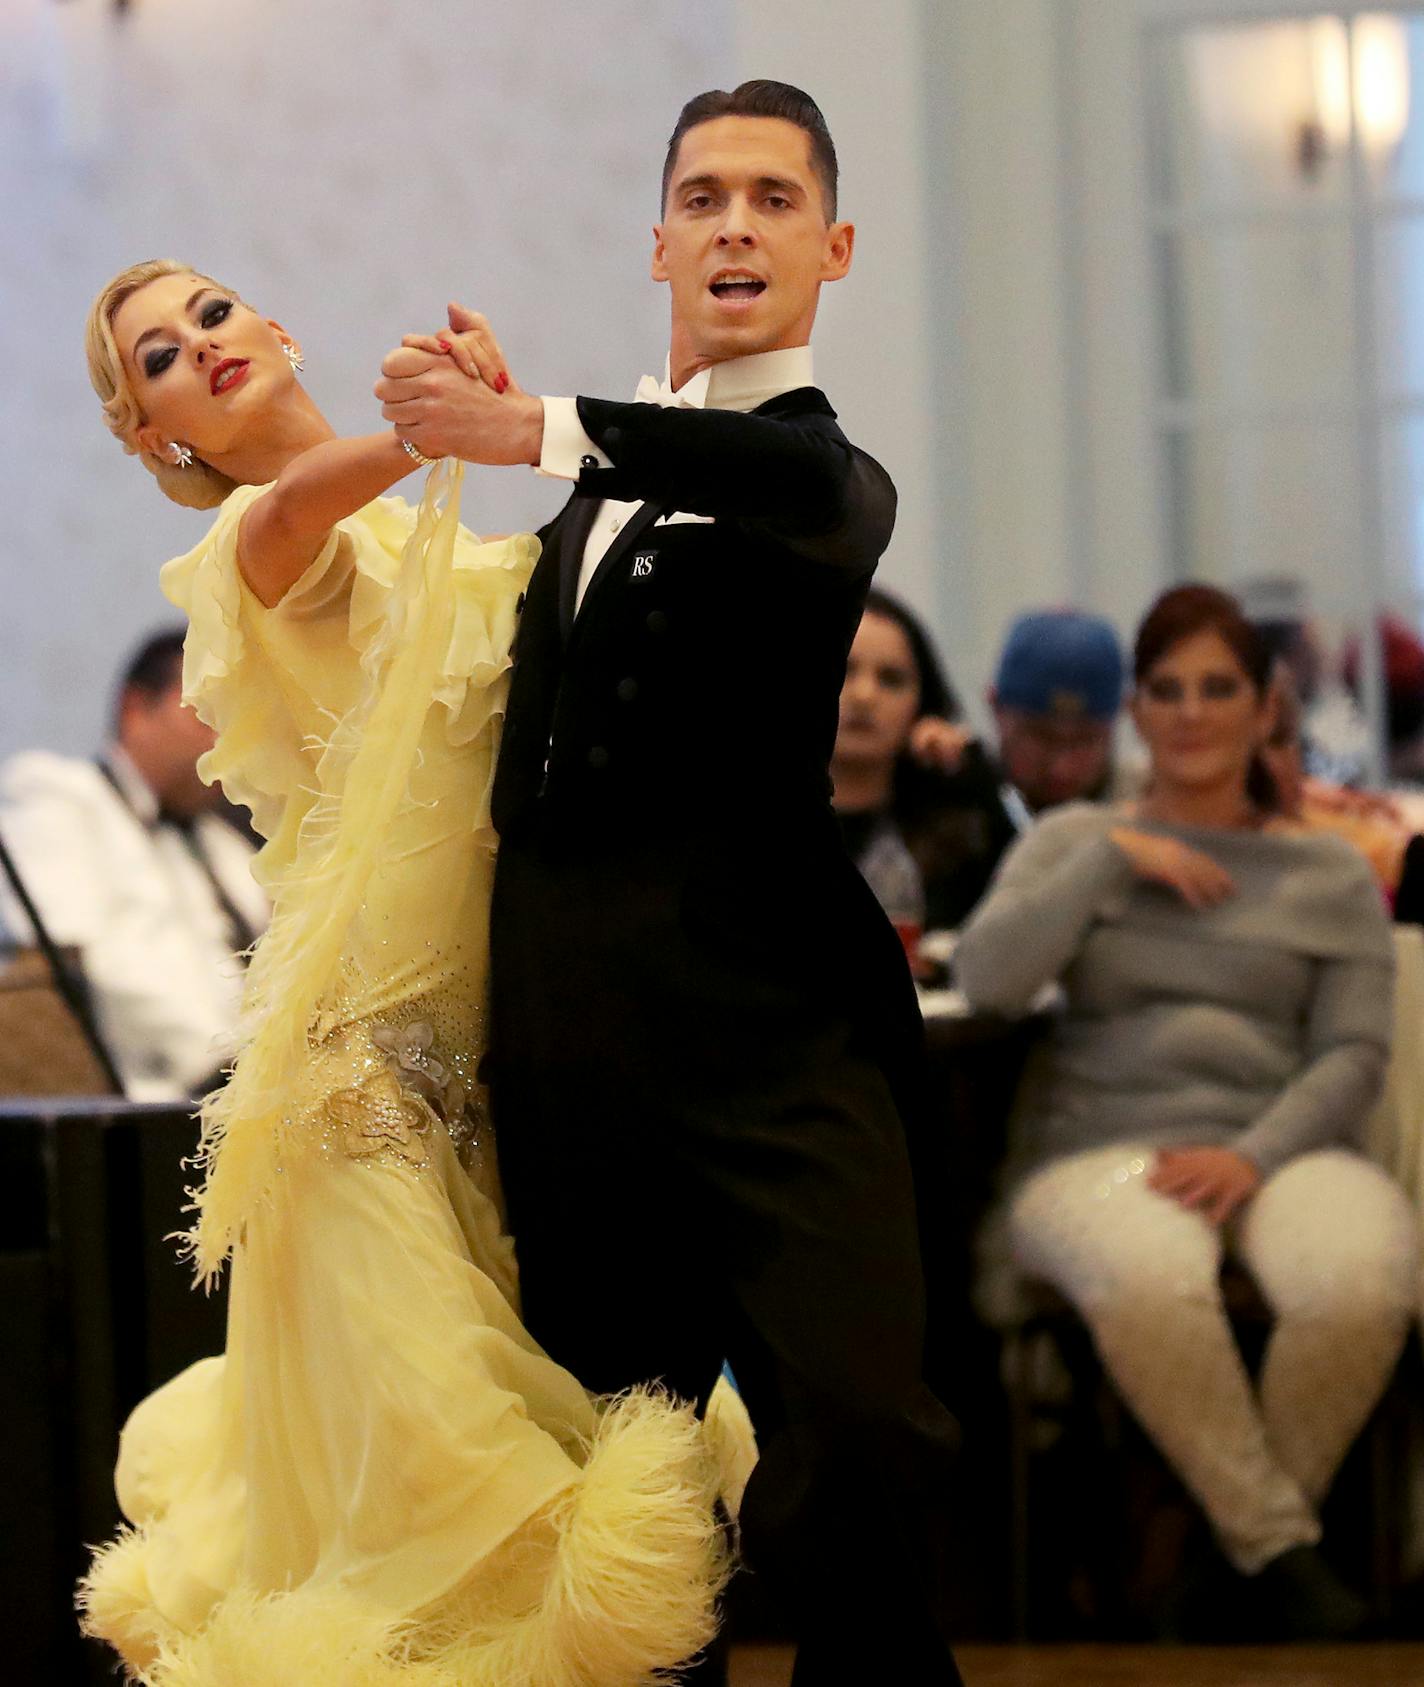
point(566, 446)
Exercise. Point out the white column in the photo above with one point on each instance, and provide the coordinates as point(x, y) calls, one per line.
point(947, 351)
point(875, 335)
point(1000, 139)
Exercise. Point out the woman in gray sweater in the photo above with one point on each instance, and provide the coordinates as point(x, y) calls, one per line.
point(1227, 981)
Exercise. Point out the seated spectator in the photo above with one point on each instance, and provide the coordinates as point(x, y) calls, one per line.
point(919, 797)
point(1055, 701)
point(1335, 736)
point(1371, 821)
point(897, 727)
point(1056, 698)
point(1226, 1027)
point(129, 859)
point(1402, 665)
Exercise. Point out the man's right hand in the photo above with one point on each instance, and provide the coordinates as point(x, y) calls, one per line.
point(1196, 878)
point(460, 401)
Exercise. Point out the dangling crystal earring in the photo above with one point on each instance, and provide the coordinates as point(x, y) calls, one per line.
point(182, 456)
point(294, 357)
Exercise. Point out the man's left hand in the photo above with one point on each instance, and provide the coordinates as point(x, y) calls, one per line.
point(1211, 1181)
point(460, 401)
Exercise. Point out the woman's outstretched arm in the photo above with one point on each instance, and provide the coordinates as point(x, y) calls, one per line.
point(282, 533)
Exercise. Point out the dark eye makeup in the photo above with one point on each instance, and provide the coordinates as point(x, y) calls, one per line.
point(215, 311)
point(1218, 688)
point(1164, 690)
point(1212, 688)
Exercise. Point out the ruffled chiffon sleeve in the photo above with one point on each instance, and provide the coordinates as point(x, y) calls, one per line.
point(257, 757)
point(256, 676)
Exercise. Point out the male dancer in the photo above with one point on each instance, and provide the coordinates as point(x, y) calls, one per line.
point(703, 1033)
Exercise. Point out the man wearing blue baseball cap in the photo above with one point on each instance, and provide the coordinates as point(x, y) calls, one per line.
point(1055, 701)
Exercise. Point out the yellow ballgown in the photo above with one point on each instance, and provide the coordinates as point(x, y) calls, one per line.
point(383, 1479)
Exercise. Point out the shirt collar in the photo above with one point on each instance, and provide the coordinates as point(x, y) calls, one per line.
point(741, 383)
point(133, 787)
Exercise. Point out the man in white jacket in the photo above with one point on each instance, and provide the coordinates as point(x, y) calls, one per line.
point(128, 858)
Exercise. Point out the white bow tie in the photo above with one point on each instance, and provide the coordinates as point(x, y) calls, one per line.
point(652, 391)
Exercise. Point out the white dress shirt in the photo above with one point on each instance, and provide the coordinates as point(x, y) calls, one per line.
point(741, 383)
point(111, 878)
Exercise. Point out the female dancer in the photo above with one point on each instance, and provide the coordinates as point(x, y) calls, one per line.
point(383, 1481)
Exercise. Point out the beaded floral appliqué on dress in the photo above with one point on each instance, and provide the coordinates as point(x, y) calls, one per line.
point(389, 1115)
point(380, 1120)
point(418, 1064)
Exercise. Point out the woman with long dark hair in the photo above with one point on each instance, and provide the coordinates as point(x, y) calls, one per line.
point(1227, 979)
point(899, 740)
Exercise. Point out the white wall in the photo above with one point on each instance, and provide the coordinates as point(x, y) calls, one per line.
point(348, 165)
point(875, 334)
point(348, 170)
point(1001, 136)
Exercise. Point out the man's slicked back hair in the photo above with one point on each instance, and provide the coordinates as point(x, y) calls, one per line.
point(763, 98)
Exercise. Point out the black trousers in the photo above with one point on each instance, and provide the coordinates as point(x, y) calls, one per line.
point(782, 1238)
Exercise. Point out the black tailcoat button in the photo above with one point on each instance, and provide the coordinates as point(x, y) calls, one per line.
point(627, 689)
point(657, 621)
point(588, 461)
point(598, 758)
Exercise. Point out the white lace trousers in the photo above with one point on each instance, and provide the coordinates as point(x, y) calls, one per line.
point(1332, 1244)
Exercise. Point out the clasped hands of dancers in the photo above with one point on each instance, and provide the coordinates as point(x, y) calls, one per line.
point(517, 894)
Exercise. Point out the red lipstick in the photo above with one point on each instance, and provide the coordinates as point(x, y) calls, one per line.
point(231, 372)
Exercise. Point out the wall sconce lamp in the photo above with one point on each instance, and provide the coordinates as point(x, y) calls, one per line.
point(1380, 95)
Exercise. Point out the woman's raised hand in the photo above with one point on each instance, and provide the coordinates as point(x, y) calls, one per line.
point(451, 395)
point(1196, 878)
point(469, 343)
point(939, 744)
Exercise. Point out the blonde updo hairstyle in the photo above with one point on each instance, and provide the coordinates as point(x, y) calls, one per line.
point(199, 486)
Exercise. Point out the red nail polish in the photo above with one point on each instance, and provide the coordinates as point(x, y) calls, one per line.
point(501, 382)
point(444, 342)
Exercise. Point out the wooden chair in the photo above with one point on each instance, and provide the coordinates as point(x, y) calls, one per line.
point(44, 1050)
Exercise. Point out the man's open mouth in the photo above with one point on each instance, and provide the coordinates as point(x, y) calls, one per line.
point(737, 284)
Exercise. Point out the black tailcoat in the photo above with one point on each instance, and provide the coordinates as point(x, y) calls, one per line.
point(665, 756)
point(703, 1034)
